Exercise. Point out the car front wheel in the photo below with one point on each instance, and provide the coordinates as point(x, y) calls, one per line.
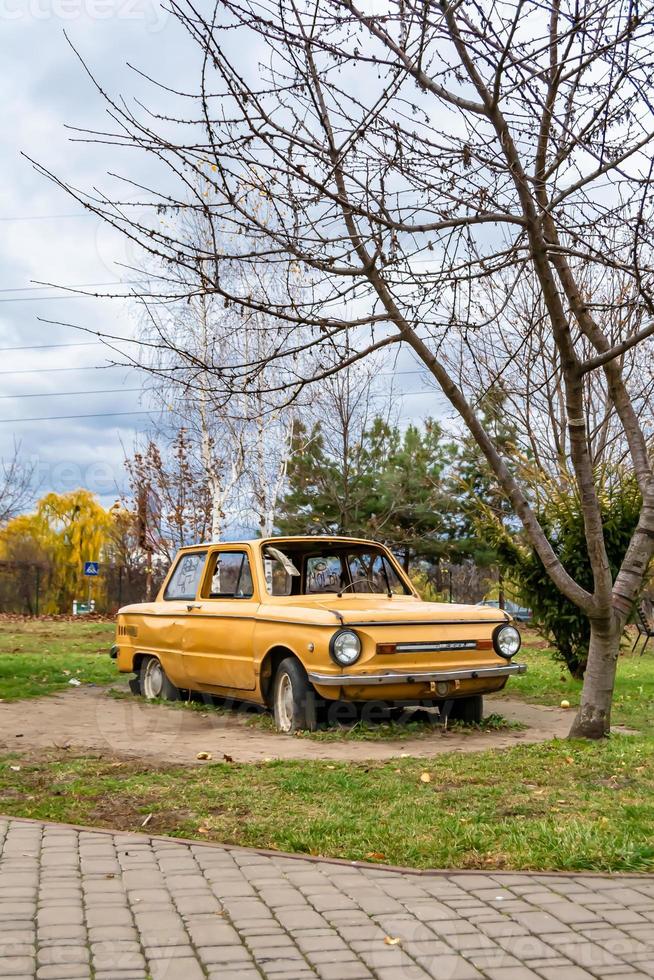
point(294, 705)
point(154, 682)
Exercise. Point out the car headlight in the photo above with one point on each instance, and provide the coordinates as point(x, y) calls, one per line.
point(507, 641)
point(345, 648)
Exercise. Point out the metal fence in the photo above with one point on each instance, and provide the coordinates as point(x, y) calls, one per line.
point(27, 588)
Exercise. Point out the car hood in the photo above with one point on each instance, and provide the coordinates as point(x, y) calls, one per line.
point(370, 610)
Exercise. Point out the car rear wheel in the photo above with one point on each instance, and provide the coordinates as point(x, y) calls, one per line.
point(294, 702)
point(468, 710)
point(154, 682)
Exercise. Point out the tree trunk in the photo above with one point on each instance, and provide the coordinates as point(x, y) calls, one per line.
point(217, 513)
point(594, 716)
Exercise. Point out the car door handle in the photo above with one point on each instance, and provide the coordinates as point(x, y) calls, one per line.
point(193, 605)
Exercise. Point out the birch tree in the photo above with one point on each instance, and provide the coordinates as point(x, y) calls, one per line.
point(404, 155)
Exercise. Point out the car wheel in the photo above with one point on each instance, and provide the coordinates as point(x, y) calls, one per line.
point(468, 710)
point(294, 703)
point(154, 683)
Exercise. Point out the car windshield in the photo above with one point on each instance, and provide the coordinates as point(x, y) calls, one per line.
point(307, 568)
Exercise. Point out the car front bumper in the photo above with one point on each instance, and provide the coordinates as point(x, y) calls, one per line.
point(418, 677)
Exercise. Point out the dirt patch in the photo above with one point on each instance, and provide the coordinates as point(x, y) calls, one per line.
point(88, 719)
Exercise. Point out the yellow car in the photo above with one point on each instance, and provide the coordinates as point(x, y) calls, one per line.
point(293, 622)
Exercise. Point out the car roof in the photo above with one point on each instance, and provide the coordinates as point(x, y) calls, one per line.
point(308, 538)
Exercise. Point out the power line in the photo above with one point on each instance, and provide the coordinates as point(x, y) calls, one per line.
point(90, 343)
point(75, 285)
point(96, 415)
point(47, 217)
point(48, 299)
point(90, 367)
point(57, 418)
point(63, 394)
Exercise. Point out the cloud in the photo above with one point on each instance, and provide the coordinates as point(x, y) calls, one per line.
point(46, 237)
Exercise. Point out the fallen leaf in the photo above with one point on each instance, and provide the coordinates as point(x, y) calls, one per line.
point(425, 777)
point(569, 760)
point(392, 940)
point(376, 855)
point(203, 830)
point(203, 755)
point(227, 758)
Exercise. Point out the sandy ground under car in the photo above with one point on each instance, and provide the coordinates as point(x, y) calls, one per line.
point(90, 719)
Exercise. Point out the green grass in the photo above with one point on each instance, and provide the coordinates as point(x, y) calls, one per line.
point(39, 656)
point(558, 806)
point(411, 725)
point(548, 682)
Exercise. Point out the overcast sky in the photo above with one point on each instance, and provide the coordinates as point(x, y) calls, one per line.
point(46, 237)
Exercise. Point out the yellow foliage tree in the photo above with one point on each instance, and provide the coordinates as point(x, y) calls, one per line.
point(65, 531)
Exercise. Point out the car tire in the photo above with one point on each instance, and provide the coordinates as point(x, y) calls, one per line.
point(154, 682)
point(468, 710)
point(294, 700)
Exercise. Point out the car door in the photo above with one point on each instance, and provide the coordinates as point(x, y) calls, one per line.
point(218, 652)
point(166, 631)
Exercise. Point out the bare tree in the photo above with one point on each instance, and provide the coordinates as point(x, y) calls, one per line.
point(17, 489)
point(214, 434)
point(516, 355)
point(240, 435)
point(170, 492)
point(401, 157)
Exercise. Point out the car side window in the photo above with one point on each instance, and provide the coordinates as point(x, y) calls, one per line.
point(278, 581)
point(186, 576)
point(230, 576)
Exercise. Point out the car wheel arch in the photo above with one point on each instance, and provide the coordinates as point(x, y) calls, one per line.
point(137, 660)
point(268, 668)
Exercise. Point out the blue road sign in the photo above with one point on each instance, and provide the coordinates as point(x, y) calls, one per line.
point(91, 568)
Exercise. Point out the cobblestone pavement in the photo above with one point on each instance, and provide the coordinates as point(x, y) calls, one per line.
point(82, 903)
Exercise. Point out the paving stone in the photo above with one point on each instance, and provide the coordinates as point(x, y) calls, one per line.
point(203, 911)
point(227, 954)
point(568, 972)
point(64, 971)
point(452, 967)
point(228, 974)
point(52, 955)
point(213, 934)
point(168, 952)
point(118, 961)
point(342, 971)
point(511, 973)
point(11, 966)
point(173, 969)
